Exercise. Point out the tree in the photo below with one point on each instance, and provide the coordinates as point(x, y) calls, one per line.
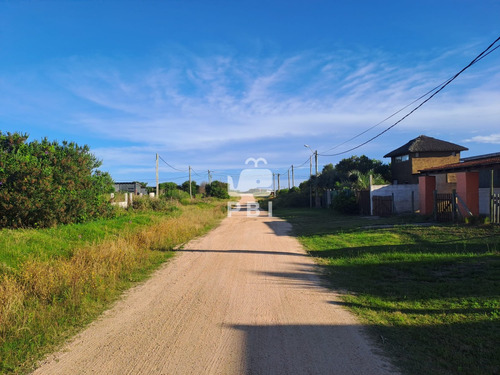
point(194, 187)
point(217, 189)
point(46, 183)
point(167, 187)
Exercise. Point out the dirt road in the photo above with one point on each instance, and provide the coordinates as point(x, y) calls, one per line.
point(243, 300)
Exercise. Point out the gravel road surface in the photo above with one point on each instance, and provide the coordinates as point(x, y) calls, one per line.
point(243, 300)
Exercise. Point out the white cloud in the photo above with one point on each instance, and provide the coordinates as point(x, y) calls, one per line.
point(492, 138)
point(215, 104)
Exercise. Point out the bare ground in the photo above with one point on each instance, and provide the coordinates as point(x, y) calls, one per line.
point(243, 300)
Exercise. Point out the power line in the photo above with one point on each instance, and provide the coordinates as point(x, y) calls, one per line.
point(478, 58)
point(176, 169)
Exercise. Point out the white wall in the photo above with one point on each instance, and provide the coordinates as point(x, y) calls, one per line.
point(484, 200)
point(402, 196)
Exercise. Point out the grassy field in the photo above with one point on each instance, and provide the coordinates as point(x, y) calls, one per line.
point(54, 281)
point(430, 294)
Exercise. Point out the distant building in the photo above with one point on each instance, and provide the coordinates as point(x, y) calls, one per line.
point(421, 153)
point(130, 187)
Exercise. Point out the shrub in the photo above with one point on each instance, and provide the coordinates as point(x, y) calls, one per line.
point(345, 202)
point(176, 194)
point(45, 183)
point(146, 203)
point(217, 189)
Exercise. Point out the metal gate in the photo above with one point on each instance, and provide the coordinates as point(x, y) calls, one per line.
point(445, 207)
point(382, 205)
point(495, 208)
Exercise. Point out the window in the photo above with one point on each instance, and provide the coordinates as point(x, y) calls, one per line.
point(399, 159)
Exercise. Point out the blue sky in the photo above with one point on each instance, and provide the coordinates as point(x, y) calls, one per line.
point(212, 83)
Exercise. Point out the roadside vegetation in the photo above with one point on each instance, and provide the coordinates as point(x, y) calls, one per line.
point(431, 294)
point(345, 179)
point(66, 252)
point(53, 281)
point(44, 183)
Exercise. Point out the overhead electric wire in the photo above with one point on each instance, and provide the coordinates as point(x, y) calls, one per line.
point(176, 169)
point(428, 95)
point(479, 57)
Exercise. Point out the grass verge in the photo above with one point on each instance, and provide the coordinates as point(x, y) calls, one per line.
point(431, 294)
point(54, 281)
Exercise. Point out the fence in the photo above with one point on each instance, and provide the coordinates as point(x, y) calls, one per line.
point(405, 197)
point(383, 205)
point(445, 207)
point(495, 208)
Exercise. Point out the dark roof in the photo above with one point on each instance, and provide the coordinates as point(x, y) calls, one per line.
point(481, 157)
point(474, 165)
point(425, 144)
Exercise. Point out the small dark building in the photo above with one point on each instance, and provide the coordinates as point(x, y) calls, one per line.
point(130, 187)
point(421, 153)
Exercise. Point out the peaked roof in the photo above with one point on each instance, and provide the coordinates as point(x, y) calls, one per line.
point(425, 144)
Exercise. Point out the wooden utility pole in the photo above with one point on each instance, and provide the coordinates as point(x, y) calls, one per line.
point(293, 178)
point(317, 203)
point(316, 161)
point(190, 190)
point(310, 182)
point(157, 179)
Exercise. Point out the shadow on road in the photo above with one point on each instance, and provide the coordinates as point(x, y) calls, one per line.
point(307, 349)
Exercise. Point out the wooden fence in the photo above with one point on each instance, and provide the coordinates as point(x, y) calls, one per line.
point(382, 205)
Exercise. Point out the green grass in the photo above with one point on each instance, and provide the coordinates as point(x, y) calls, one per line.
point(431, 294)
point(17, 245)
point(55, 281)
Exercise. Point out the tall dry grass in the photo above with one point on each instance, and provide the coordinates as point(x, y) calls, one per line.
point(42, 302)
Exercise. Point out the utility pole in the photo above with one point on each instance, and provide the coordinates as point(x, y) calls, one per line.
point(310, 182)
point(209, 177)
point(293, 178)
point(279, 182)
point(190, 190)
point(289, 179)
point(157, 179)
point(274, 186)
point(316, 161)
point(317, 203)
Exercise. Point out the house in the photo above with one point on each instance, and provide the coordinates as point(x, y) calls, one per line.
point(130, 187)
point(421, 153)
point(477, 178)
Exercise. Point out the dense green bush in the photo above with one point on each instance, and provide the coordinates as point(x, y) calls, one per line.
point(176, 194)
point(345, 202)
point(45, 183)
point(194, 187)
point(217, 189)
point(293, 197)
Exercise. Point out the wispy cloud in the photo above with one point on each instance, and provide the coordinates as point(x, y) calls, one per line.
point(209, 104)
point(492, 138)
